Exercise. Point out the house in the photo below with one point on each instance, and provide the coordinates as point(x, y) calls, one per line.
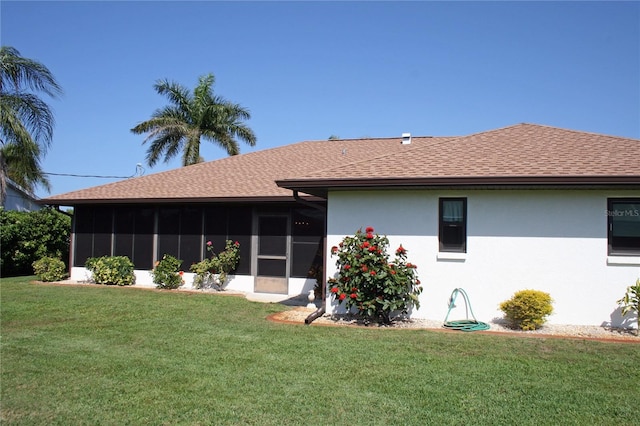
point(19, 199)
point(521, 207)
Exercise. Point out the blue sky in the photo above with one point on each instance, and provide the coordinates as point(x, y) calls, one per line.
point(308, 70)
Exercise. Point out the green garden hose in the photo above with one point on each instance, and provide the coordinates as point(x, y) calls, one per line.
point(466, 324)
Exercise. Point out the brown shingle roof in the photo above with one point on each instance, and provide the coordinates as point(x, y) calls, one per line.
point(514, 154)
point(524, 154)
point(248, 176)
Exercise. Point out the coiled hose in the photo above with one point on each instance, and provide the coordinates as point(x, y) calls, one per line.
point(466, 324)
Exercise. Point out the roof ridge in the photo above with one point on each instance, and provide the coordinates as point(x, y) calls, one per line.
point(582, 132)
point(547, 126)
point(372, 138)
point(436, 140)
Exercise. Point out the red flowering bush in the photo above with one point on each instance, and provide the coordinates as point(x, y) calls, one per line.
point(368, 282)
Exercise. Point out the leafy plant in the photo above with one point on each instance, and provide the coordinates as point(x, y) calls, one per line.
point(111, 270)
point(213, 272)
point(166, 273)
point(630, 302)
point(315, 272)
point(368, 282)
point(528, 309)
point(50, 269)
point(26, 237)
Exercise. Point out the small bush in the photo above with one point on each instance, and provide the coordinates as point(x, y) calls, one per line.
point(166, 274)
point(111, 270)
point(49, 269)
point(213, 272)
point(528, 309)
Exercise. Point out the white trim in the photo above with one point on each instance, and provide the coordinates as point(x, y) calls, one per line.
point(623, 260)
point(445, 255)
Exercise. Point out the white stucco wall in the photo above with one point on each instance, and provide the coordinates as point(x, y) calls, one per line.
point(549, 240)
point(242, 283)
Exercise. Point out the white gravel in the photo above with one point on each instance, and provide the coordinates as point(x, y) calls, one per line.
point(298, 315)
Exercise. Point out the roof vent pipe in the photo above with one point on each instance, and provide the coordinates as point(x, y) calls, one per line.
point(406, 138)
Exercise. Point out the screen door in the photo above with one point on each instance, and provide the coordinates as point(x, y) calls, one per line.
point(272, 255)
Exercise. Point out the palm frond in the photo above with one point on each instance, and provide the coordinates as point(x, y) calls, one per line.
point(17, 71)
point(34, 114)
point(12, 130)
point(176, 93)
point(167, 144)
point(180, 126)
point(23, 165)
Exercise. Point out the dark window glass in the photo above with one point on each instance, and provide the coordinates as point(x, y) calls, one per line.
point(143, 239)
point(239, 229)
point(235, 224)
point(215, 228)
point(102, 231)
point(305, 260)
point(191, 248)
point(307, 225)
point(623, 216)
point(124, 229)
point(272, 231)
point(168, 232)
point(83, 234)
point(307, 238)
point(453, 225)
point(272, 267)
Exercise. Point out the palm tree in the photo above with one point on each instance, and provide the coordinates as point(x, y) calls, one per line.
point(26, 121)
point(180, 126)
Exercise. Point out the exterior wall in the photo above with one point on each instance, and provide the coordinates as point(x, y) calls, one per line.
point(241, 283)
point(549, 240)
point(19, 200)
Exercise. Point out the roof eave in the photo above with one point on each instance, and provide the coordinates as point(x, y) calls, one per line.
point(189, 200)
point(320, 187)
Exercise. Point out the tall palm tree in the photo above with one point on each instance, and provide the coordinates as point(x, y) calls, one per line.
point(26, 121)
point(190, 117)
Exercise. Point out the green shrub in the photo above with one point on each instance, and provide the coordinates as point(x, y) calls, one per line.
point(111, 270)
point(630, 302)
point(166, 274)
point(528, 309)
point(50, 269)
point(213, 272)
point(368, 282)
point(26, 237)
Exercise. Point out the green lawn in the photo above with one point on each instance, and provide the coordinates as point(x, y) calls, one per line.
point(116, 356)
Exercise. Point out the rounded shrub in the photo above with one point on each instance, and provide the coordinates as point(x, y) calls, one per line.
point(528, 309)
point(111, 270)
point(49, 269)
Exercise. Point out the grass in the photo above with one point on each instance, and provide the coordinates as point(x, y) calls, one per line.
point(117, 356)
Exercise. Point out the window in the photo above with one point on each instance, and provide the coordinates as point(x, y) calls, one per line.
point(307, 237)
point(230, 223)
point(453, 225)
point(92, 233)
point(623, 217)
point(133, 235)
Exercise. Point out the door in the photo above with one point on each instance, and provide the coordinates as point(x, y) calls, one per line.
point(272, 265)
